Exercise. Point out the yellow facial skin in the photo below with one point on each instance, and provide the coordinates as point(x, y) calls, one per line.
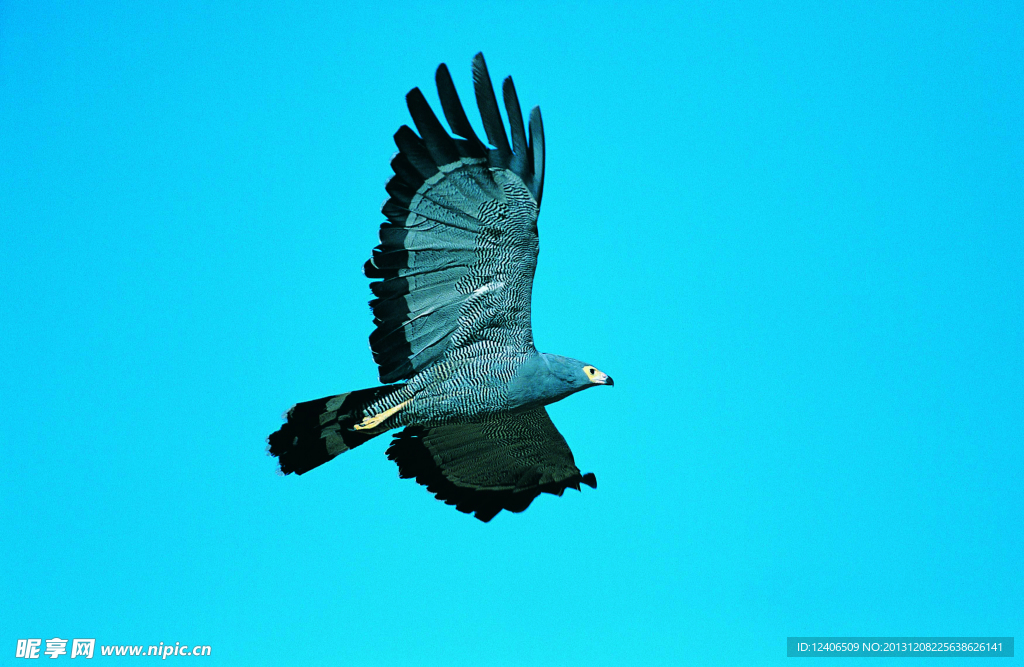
point(596, 376)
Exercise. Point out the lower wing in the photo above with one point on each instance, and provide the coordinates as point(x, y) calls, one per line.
point(489, 466)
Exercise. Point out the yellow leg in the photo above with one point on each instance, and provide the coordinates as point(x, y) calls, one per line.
point(376, 420)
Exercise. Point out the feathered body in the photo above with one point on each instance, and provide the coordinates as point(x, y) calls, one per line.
point(478, 389)
point(453, 276)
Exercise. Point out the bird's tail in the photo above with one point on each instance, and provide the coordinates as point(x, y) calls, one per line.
point(317, 431)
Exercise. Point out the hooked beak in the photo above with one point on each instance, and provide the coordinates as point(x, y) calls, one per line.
point(606, 379)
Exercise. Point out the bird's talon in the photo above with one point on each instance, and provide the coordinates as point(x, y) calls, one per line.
point(376, 420)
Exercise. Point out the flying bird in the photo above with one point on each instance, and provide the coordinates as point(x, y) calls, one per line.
point(452, 280)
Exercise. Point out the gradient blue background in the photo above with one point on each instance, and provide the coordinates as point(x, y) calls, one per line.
point(792, 234)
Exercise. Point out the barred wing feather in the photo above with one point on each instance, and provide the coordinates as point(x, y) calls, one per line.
point(485, 467)
point(454, 268)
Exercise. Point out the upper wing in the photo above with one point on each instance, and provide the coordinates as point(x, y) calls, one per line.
point(502, 463)
point(457, 255)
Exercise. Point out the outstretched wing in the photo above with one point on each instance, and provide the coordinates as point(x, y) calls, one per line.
point(457, 254)
point(503, 463)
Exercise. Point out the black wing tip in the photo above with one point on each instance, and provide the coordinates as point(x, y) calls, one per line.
point(426, 149)
point(487, 104)
point(525, 154)
point(479, 69)
point(536, 153)
point(516, 128)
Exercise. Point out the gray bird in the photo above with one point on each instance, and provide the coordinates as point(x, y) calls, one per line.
point(453, 277)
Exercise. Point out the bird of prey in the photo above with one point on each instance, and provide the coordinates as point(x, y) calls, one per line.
point(452, 278)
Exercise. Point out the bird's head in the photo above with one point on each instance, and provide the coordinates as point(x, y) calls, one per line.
point(577, 374)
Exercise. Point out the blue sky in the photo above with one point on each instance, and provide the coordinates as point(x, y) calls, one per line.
point(793, 234)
